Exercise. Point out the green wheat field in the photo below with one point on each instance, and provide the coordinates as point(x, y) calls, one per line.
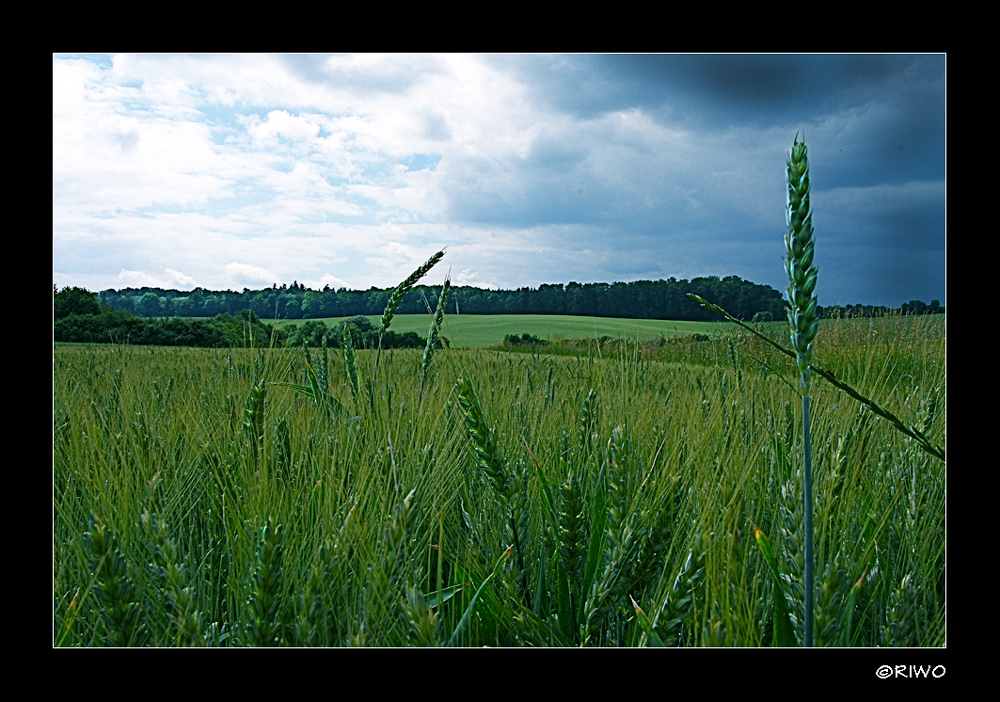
point(646, 492)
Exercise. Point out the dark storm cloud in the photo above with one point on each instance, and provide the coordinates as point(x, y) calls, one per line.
point(893, 105)
point(714, 89)
point(874, 124)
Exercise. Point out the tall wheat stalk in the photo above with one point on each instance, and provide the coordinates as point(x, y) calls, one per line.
point(802, 317)
point(800, 249)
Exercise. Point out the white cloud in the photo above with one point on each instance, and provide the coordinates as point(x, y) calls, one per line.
point(471, 278)
point(250, 276)
point(172, 280)
point(280, 126)
point(136, 279)
point(325, 280)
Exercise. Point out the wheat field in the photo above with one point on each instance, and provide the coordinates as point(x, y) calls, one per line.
point(256, 497)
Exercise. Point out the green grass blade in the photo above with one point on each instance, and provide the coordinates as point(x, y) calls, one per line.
point(312, 391)
point(783, 632)
point(565, 607)
point(441, 596)
point(652, 637)
point(475, 598)
point(852, 599)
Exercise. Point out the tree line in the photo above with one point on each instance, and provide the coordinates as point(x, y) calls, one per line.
point(643, 299)
point(203, 317)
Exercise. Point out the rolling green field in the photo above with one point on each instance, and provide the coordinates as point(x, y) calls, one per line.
point(464, 331)
point(263, 497)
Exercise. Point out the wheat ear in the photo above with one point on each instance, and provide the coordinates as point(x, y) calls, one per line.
point(400, 292)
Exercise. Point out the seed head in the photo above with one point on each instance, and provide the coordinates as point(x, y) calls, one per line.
point(800, 250)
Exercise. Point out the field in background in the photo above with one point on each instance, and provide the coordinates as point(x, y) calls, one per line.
point(465, 331)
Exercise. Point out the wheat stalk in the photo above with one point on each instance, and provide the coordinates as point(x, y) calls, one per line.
point(265, 628)
point(115, 589)
point(492, 464)
point(800, 250)
point(174, 578)
point(487, 453)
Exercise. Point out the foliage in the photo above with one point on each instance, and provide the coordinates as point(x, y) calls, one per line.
point(362, 332)
point(641, 299)
point(119, 326)
point(511, 340)
point(74, 301)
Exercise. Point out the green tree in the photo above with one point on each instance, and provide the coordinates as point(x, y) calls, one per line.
point(314, 305)
point(363, 332)
point(149, 305)
point(310, 333)
point(70, 301)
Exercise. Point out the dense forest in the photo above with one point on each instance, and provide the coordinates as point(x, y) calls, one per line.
point(202, 317)
point(643, 299)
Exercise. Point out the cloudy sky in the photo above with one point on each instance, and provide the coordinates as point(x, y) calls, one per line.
point(233, 171)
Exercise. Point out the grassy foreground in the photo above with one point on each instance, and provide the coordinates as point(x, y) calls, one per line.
point(624, 498)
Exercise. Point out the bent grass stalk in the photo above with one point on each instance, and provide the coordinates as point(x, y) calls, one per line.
point(913, 432)
point(396, 298)
point(315, 388)
point(352, 368)
point(433, 336)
